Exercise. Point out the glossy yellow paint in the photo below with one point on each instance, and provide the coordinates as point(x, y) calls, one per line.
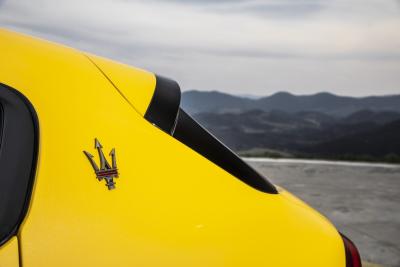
point(9, 253)
point(136, 85)
point(171, 206)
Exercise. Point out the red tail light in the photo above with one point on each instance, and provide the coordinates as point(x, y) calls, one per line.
point(353, 258)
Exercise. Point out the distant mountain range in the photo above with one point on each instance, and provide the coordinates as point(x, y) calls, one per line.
point(315, 126)
point(217, 102)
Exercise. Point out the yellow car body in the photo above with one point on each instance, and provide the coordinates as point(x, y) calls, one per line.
point(171, 206)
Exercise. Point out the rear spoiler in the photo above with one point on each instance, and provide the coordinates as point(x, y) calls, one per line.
point(165, 113)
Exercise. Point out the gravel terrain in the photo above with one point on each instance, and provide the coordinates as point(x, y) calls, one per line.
point(361, 199)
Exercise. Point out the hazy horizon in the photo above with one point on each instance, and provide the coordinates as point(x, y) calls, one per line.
point(254, 47)
point(255, 96)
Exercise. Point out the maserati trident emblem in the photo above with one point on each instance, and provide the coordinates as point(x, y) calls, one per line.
point(105, 171)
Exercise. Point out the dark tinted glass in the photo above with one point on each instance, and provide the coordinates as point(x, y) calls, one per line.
point(1, 124)
point(18, 154)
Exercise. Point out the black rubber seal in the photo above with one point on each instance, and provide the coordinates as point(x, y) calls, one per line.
point(18, 158)
point(164, 105)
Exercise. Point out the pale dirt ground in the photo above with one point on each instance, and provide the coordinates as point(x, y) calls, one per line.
point(362, 201)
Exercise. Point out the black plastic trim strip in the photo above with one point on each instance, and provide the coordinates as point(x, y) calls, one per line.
point(18, 159)
point(164, 105)
point(164, 112)
point(192, 134)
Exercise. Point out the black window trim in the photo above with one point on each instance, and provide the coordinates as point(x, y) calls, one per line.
point(17, 108)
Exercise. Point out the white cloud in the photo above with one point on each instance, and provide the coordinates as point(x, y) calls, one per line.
point(248, 46)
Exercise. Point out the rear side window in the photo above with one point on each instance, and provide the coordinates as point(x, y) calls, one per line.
point(1, 124)
point(18, 157)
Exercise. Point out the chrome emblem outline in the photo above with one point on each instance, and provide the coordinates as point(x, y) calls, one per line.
point(106, 172)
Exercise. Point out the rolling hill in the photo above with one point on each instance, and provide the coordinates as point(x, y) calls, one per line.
point(339, 106)
point(316, 126)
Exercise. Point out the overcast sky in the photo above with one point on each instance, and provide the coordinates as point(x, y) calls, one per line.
point(348, 47)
